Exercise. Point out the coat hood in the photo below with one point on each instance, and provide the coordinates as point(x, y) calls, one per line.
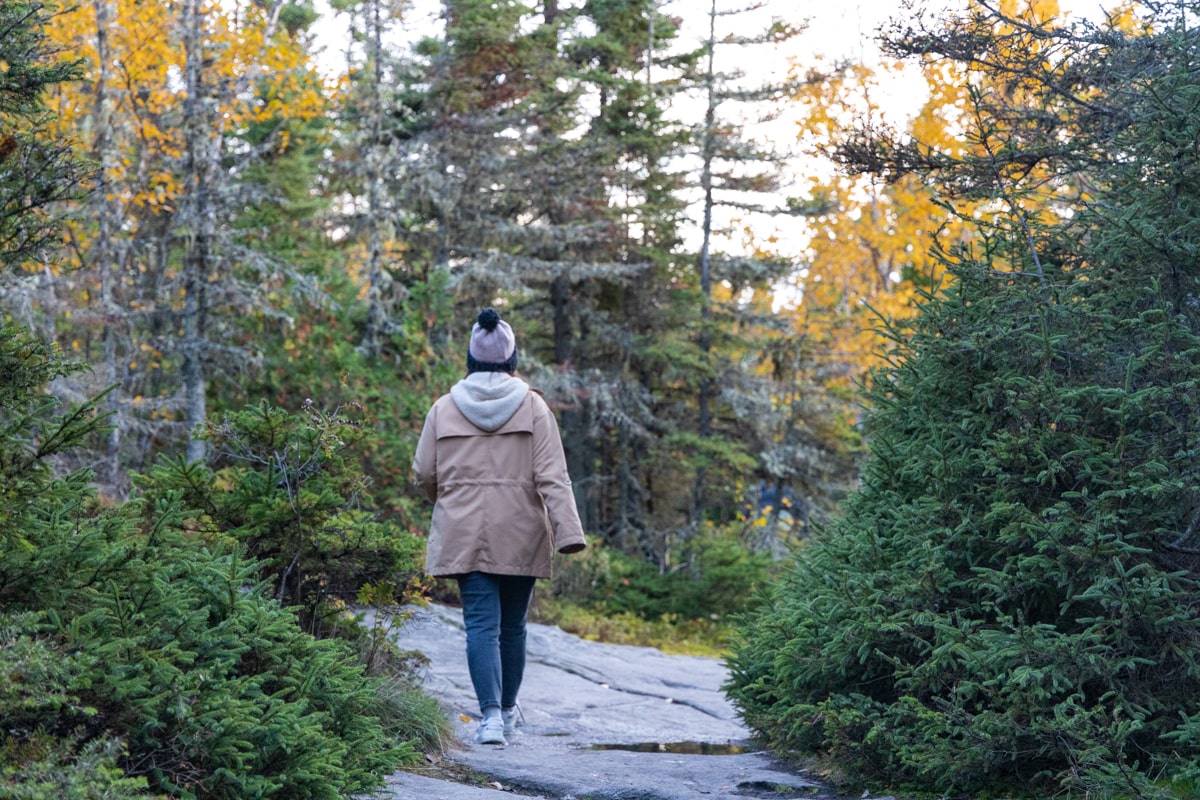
point(489, 399)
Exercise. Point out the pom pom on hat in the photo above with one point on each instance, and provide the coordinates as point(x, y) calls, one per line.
point(488, 319)
point(493, 347)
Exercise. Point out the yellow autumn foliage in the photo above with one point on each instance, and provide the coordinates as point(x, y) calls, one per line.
point(258, 76)
point(872, 240)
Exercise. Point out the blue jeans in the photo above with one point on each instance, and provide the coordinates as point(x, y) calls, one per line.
point(495, 608)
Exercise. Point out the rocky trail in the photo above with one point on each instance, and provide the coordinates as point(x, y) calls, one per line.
point(602, 722)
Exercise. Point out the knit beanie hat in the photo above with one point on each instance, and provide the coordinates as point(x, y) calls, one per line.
point(493, 348)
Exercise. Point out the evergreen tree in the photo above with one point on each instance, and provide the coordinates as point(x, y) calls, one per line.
point(620, 333)
point(1009, 602)
point(37, 169)
point(736, 174)
point(372, 118)
point(48, 752)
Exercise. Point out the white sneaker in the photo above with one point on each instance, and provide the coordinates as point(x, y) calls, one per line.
point(491, 731)
point(512, 718)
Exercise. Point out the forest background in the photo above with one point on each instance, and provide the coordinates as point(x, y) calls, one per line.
point(244, 279)
point(269, 222)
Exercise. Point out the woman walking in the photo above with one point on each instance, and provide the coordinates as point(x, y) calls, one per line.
point(491, 459)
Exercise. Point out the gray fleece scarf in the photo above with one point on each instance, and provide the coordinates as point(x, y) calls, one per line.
point(489, 399)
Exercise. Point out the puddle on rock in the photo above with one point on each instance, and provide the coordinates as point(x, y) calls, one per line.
point(680, 748)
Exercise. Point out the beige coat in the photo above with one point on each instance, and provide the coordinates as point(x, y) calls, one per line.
point(502, 498)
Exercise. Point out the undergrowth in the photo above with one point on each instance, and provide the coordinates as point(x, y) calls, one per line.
point(668, 633)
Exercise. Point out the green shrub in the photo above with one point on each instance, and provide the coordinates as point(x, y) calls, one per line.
point(289, 488)
point(214, 689)
point(222, 694)
point(1000, 604)
point(320, 359)
point(409, 714)
point(155, 654)
point(42, 756)
point(715, 577)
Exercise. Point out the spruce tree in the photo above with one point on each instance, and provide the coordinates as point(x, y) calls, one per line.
point(37, 169)
point(1009, 603)
point(735, 174)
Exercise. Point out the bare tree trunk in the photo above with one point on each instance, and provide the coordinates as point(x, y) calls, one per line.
point(204, 137)
point(705, 394)
point(376, 313)
point(104, 250)
point(197, 221)
point(560, 301)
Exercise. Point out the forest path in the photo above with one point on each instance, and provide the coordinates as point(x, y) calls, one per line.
point(592, 711)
